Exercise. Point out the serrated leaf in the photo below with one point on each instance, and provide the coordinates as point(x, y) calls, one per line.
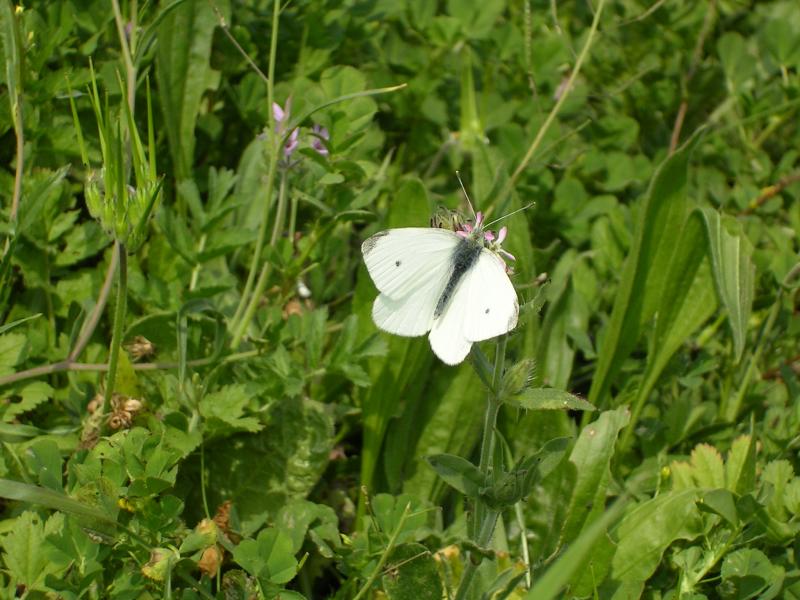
point(708, 470)
point(31, 396)
point(228, 405)
point(25, 552)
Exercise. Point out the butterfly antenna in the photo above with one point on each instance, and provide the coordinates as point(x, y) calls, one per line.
point(526, 207)
point(466, 195)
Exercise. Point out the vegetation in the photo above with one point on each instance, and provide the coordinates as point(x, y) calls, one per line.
point(195, 401)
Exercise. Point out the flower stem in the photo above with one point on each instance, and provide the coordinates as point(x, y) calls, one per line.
point(119, 319)
point(247, 316)
point(485, 517)
point(239, 321)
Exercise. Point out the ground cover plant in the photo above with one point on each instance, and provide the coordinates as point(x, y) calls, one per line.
point(196, 402)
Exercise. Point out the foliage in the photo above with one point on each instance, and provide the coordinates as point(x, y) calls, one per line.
point(196, 403)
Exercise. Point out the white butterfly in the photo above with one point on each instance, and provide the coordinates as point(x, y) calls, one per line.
point(451, 283)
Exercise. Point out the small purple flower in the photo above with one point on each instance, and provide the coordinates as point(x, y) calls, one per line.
point(291, 144)
point(281, 115)
point(319, 133)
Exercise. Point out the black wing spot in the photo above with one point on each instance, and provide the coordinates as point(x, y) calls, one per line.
point(486, 312)
point(397, 263)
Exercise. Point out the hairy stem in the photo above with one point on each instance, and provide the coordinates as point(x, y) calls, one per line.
point(486, 517)
point(119, 319)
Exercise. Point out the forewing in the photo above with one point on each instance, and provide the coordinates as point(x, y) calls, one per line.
point(404, 261)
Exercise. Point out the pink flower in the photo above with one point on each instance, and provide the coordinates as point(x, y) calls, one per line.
point(319, 133)
point(282, 115)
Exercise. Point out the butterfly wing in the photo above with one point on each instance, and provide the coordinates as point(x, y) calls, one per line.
point(410, 267)
point(484, 305)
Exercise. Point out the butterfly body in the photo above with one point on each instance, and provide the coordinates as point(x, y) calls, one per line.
point(451, 284)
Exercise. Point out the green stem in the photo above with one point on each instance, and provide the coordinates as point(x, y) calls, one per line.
point(485, 517)
point(119, 318)
point(238, 323)
point(384, 557)
point(247, 316)
point(280, 212)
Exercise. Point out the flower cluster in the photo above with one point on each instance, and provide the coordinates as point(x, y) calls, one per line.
point(490, 239)
point(319, 135)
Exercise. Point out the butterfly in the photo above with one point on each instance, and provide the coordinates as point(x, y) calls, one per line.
point(453, 284)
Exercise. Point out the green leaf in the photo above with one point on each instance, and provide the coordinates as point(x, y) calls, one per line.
point(548, 399)
point(733, 270)
point(261, 472)
point(31, 396)
point(646, 532)
point(184, 74)
point(704, 469)
point(25, 551)
point(722, 503)
point(301, 517)
point(458, 472)
point(737, 62)
point(748, 571)
point(450, 426)
point(412, 574)
point(685, 303)
point(646, 274)
point(10, 41)
point(44, 460)
point(559, 574)
point(709, 471)
point(83, 241)
point(268, 557)
point(740, 466)
point(511, 487)
point(12, 324)
point(12, 351)
point(591, 457)
point(405, 514)
point(226, 406)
